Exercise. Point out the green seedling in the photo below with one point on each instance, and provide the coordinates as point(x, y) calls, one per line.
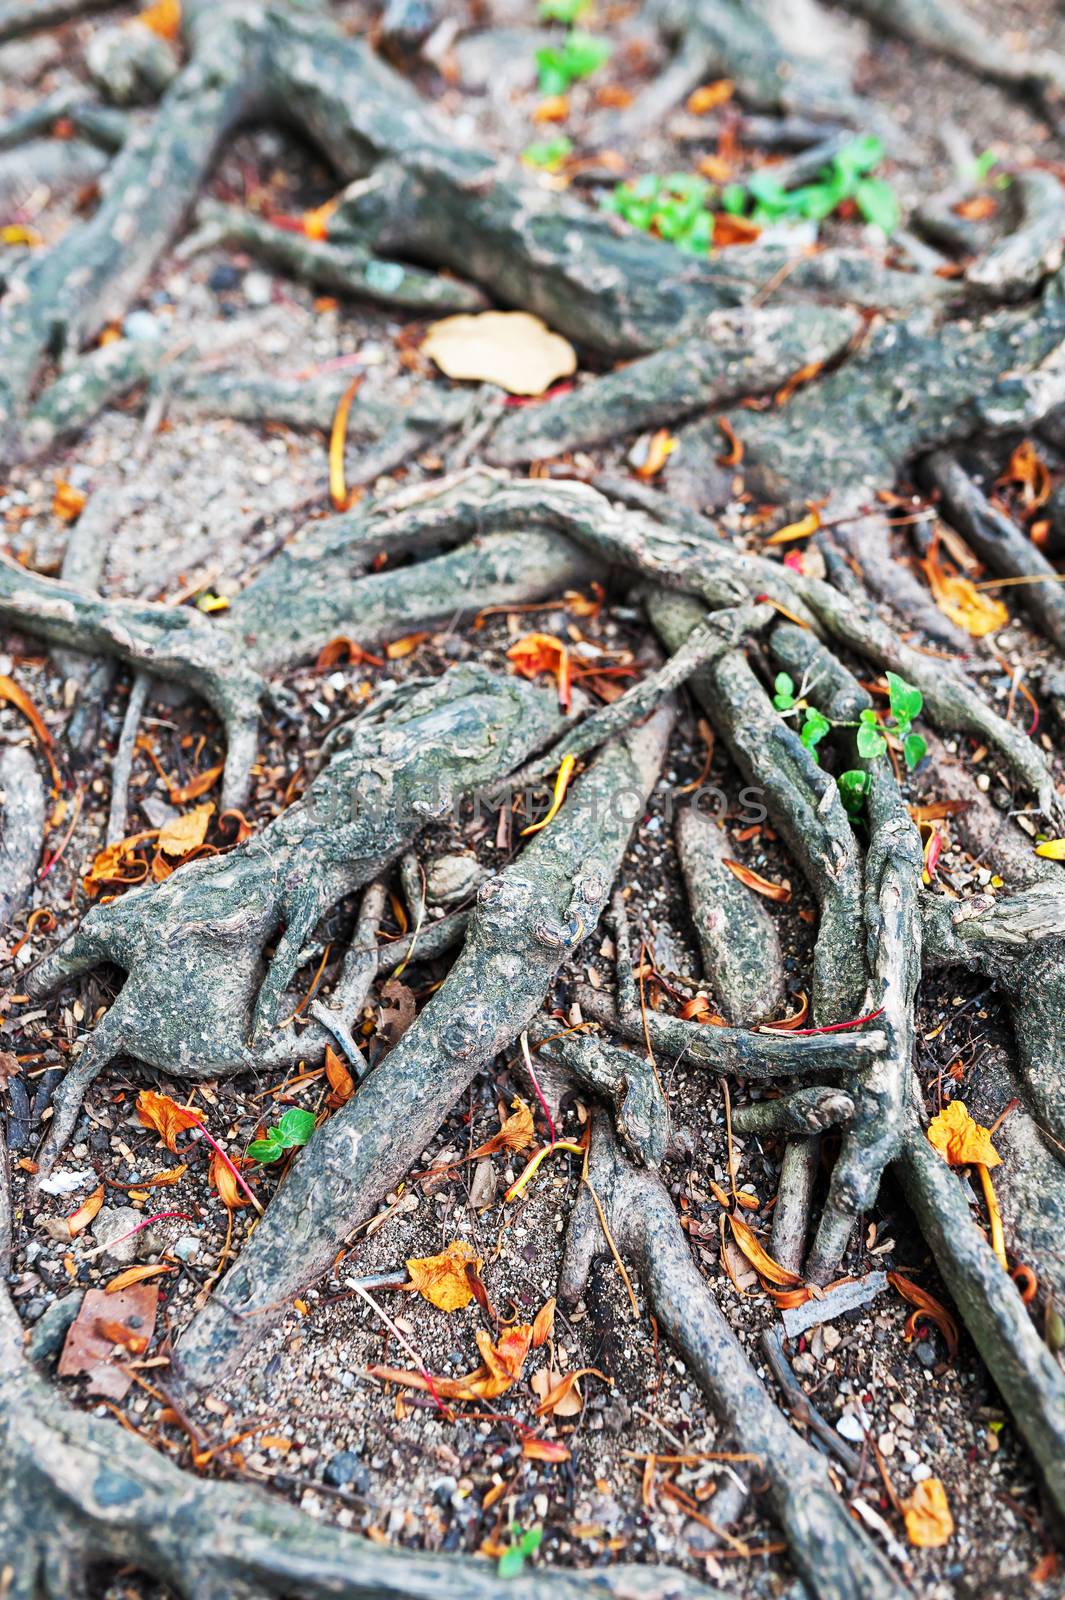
point(513, 1558)
point(548, 154)
point(559, 66)
point(291, 1133)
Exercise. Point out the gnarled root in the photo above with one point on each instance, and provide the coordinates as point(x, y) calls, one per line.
point(834, 1557)
point(21, 828)
point(220, 913)
point(527, 920)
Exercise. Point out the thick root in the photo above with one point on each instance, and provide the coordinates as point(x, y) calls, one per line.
point(527, 920)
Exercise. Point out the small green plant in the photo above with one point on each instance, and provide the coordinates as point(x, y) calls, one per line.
point(846, 177)
point(292, 1132)
point(513, 1558)
point(559, 66)
point(905, 703)
point(565, 11)
point(675, 207)
point(853, 787)
point(548, 154)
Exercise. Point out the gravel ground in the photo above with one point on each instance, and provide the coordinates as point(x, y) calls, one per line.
point(199, 504)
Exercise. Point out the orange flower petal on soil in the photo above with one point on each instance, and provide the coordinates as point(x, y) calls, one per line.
point(709, 96)
point(759, 1256)
point(772, 891)
point(165, 1116)
point(68, 503)
point(79, 1220)
point(960, 1139)
point(442, 1279)
point(534, 653)
point(927, 1306)
point(927, 1516)
point(543, 1323)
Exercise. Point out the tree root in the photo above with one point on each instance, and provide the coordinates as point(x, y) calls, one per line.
point(737, 937)
point(834, 1557)
point(24, 16)
point(627, 1082)
point(527, 920)
point(1018, 942)
point(222, 911)
point(1016, 265)
point(346, 268)
point(80, 1491)
point(22, 816)
point(801, 799)
point(997, 540)
point(737, 1052)
point(802, 1111)
point(1026, 1373)
point(739, 353)
point(685, 560)
point(120, 770)
point(940, 26)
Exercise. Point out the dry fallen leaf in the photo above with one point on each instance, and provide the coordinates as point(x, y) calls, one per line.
point(544, 1450)
point(395, 1017)
point(961, 1139)
point(9, 1066)
point(167, 1118)
point(959, 599)
point(223, 1179)
point(501, 1367)
point(131, 1275)
point(709, 96)
point(163, 18)
point(517, 1133)
point(926, 1513)
point(559, 1393)
point(443, 1280)
point(17, 696)
point(729, 230)
point(90, 1345)
point(510, 348)
point(339, 1078)
point(186, 832)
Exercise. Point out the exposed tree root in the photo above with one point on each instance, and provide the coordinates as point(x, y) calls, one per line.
point(998, 541)
point(738, 940)
point(834, 1557)
point(21, 828)
point(23, 16)
point(527, 920)
point(347, 268)
point(221, 912)
point(80, 1491)
point(739, 353)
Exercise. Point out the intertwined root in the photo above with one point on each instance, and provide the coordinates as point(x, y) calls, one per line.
point(200, 1000)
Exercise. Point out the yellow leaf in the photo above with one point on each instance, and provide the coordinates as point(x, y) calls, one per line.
point(443, 1280)
point(186, 832)
point(167, 1118)
point(1052, 849)
point(660, 446)
point(512, 349)
point(959, 599)
point(796, 530)
point(929, 1523)
point(960, 1139)
point(18, 233)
